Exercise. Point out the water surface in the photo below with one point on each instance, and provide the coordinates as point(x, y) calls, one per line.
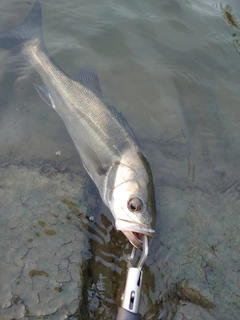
point(172, 69)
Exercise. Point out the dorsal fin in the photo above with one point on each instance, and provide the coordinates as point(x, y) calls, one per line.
point(89, 78)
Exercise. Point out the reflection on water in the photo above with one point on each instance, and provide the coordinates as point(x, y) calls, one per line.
point(104, 275)
point(172, 68)
point(105, 279)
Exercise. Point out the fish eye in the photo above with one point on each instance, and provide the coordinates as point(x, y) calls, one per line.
point(135, 205)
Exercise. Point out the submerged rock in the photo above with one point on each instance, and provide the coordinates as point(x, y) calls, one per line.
point(42, 242)
point(195, 257)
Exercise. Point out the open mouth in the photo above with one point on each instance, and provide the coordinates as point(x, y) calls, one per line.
point(134, 232)
point(135, 238)
point(138, 236)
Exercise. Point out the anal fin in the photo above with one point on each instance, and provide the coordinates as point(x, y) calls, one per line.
point(44, 95)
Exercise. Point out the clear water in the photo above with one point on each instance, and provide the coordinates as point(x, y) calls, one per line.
point(172, 68)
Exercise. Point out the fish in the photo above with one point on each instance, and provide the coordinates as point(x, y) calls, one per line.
point(109, 150)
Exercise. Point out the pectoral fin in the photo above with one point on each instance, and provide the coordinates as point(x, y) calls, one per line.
point(91, 160)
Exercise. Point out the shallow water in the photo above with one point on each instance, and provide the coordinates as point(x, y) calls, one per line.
point(172, 69)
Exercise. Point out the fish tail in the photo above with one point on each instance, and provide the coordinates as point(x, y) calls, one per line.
point(13, 39)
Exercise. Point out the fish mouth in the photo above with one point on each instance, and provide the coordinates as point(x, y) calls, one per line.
point(134, 232)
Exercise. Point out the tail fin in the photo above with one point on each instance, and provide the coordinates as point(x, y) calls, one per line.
point(14, 38)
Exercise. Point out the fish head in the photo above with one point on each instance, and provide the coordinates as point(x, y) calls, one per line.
point(132, 202)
